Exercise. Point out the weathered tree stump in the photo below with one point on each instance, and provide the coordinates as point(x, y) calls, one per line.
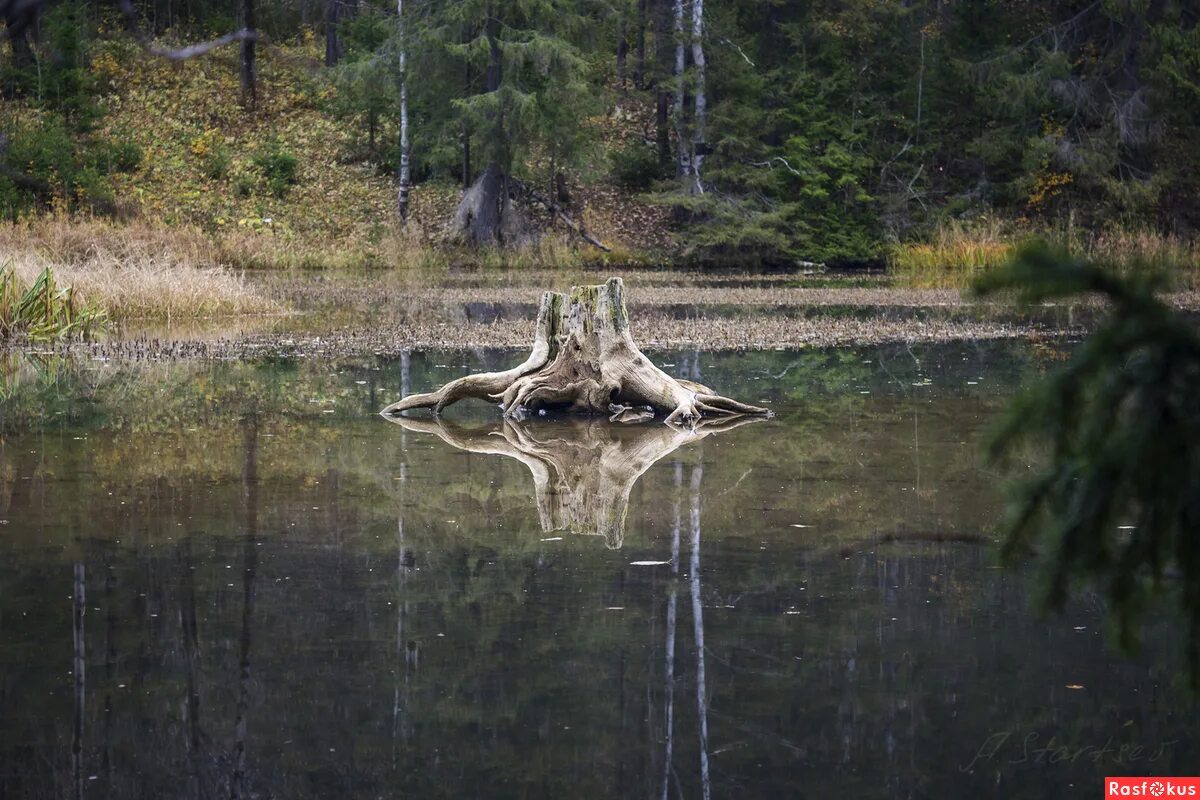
point(584, 360)
point(583, 471)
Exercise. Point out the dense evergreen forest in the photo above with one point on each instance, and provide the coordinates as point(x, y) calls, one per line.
point(761, 131)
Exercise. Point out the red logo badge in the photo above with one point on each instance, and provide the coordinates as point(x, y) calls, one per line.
point(1151, 787)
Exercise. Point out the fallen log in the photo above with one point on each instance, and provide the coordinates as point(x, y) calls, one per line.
point(557, 210)
point(584, 361)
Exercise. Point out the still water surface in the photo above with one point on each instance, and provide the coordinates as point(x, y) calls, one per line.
point(237, 580)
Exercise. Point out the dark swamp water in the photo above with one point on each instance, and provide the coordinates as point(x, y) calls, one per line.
point(237, 580)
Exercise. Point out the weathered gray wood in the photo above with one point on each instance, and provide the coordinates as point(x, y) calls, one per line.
point(584, 360)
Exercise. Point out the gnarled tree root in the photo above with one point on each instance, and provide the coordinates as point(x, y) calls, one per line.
point(584, 360)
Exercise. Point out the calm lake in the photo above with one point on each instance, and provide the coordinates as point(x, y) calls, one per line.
point(238, 580)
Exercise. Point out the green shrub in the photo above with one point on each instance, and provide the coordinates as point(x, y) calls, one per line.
point(216, 162)
point(108, 156)
point(278, 168)
point(58, 165)
point(635, 166)
point(45, 153)
point(243, 184)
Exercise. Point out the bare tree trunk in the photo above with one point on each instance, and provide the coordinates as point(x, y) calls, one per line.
point(20, 24)
point(639, 68)
point(466, 153)
point(662, 59)
point(661, 135)
point(683, 164)
point(478, 216)
point(249, 70)
point(920, 90)
point(333, 46)
point(402, 193)
point(622, 50)
point(466, 133)
point(700, 108)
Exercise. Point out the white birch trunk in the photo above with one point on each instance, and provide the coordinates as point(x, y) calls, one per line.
point(701, 108)
point(402, 195)
point(684, 167)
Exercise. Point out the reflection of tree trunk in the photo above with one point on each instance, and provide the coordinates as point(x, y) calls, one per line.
point(669, 691)
point(187, 620)
point(698, 623)
point(79, 610)
point(405, 373)
point(110, 663)
point(237, 782)
point(583, 471)
point(405, 562)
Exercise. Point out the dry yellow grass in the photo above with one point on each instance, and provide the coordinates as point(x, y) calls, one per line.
point(1128, 250)
point(958, 252)
point(132, 271)
point(956, 255)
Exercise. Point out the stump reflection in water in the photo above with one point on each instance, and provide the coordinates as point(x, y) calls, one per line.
point(583, 469)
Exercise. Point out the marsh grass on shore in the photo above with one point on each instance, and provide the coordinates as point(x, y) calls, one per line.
point(958, 253)
point(262, 247)
point(131, 271)
point(954, 256)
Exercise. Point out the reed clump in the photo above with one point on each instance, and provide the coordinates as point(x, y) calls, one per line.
point(44, 310)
